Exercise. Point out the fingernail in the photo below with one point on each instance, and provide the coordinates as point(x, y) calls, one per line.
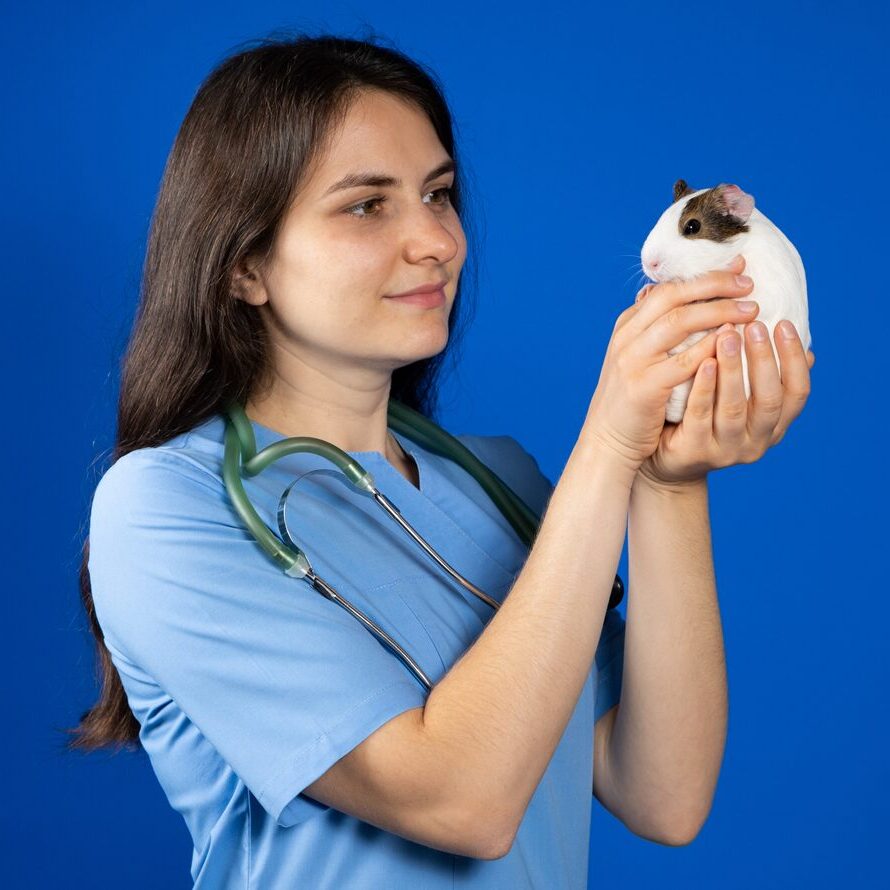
point(787, 330)
point(746, 305)
point(743, 280)
point(758, 332)
point(731, 345)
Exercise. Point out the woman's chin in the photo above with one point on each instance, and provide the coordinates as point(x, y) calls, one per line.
point(415, 349)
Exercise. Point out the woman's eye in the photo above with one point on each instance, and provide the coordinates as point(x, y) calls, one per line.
point(444, 192)
point(363, 206)
point(365, 211)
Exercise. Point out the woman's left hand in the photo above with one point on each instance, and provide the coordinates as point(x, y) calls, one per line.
point(720, 427)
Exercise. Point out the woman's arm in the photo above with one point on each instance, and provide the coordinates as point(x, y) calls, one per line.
point(458, 774)
point(495, 719)
point(665, 748)
point(490, 726)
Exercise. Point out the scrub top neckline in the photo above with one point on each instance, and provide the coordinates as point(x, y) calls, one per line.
point(433, 502)
point(266, 436)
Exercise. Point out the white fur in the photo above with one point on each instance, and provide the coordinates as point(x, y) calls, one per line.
point(780, 286)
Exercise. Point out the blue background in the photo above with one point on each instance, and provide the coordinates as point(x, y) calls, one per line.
point(575, 120)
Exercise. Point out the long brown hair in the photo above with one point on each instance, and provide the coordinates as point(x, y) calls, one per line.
point(257, 123)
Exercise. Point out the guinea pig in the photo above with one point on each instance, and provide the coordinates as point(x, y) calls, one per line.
point(703, 230)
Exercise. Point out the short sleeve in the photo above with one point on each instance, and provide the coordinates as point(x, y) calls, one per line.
point(506, 457)
point(281, 681)
point(609, 663)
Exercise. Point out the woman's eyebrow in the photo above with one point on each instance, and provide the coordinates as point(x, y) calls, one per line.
point(381, 180)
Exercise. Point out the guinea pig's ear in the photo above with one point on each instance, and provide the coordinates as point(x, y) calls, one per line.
point(680, 189)
point(734, 202)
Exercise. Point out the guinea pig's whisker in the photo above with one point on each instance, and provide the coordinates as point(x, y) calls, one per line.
point(642, 279)
point(635, 270)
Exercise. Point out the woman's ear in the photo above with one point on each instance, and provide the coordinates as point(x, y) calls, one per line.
point(247, 284)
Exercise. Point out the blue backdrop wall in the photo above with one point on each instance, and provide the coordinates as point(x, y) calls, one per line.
point(575, 120)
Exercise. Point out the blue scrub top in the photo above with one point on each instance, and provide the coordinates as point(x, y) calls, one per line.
point(248, 684)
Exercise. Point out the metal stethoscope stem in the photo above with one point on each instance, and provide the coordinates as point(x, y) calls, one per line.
point(394, 511)
point(330, 593)
point(326, 590)
point(242, 458)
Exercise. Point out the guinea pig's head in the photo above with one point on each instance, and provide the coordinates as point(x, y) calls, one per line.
point(700, 231)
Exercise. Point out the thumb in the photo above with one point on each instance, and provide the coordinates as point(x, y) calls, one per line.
point(641, 293)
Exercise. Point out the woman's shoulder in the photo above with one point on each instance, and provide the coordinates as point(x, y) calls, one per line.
point(501, 450)
point(514, 463)
point(185, 468)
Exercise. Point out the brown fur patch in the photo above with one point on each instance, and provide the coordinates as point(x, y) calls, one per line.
point(709, 210)
point(680, 189)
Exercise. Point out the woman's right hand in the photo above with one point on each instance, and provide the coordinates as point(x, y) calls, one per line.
point(627, 411)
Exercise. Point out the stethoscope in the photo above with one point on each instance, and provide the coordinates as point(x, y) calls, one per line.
point(241, 457)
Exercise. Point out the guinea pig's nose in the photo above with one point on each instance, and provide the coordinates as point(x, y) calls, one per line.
point(654, 263)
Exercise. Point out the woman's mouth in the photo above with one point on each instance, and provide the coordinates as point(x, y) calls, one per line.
point(426, 300)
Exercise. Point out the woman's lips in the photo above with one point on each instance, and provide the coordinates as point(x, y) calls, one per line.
point(428, 300)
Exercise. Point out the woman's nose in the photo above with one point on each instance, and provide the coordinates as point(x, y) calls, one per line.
point(428, 235)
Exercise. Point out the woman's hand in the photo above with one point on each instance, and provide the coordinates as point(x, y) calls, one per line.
point(627, 411)
point(719, 427)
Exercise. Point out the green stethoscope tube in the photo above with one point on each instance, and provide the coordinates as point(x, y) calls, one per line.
point(241, 457)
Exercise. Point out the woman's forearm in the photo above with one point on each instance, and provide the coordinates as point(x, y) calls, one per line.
point(668, 738)
point(498, 714)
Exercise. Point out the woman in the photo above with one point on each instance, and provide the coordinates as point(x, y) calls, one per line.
point(312, 182)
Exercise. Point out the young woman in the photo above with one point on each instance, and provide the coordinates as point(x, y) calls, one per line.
point(312, 182)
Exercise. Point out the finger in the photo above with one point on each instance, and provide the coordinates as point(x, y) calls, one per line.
point(795, 375)
point(767, 395)
point(730, 406)
point(675, 369)
point(641, 293)
point(631, 310)
point(735, 265)
point(681, 322)
point(628, 313)
point(698, 418)
point(672, 294)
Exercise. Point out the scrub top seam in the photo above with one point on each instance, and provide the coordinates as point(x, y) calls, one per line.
point(173, 457)
point(483, 456)
point(175, 454)
point(170, 495)
point(447, 516)
point(425, 630)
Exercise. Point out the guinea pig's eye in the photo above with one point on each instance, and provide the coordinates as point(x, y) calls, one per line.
point(691, 227)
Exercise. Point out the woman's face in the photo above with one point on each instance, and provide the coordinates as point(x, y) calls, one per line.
point(341, 251)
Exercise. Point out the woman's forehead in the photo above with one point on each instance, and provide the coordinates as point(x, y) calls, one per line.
point(380, 134)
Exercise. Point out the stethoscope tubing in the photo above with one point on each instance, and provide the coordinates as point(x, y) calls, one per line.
point(241, 456)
